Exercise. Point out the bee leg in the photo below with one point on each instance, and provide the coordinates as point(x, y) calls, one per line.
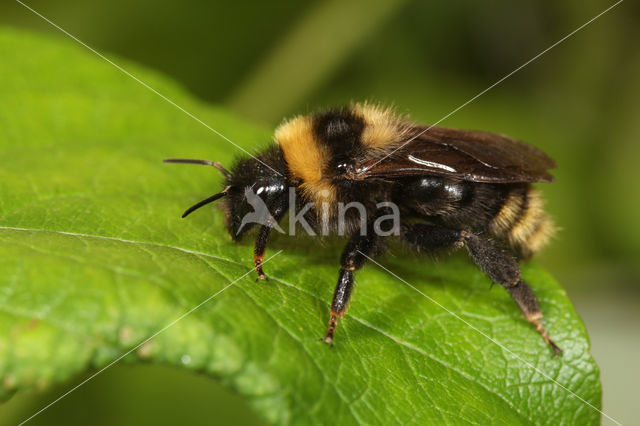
point(263, 237)
point(353, 258)
point(258, 251)
point(503, 269)
point(526, 300)
point(498, 265)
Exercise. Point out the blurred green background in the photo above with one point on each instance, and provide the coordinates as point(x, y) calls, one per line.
point(580, 102)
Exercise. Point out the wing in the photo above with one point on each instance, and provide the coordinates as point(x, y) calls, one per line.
point(471, 155)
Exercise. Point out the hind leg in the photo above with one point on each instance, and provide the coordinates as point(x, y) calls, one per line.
point(500, 266)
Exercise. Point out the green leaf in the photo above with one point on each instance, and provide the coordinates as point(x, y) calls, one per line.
point(95, 259)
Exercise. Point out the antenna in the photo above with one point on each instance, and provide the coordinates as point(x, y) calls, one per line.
point(215, 164)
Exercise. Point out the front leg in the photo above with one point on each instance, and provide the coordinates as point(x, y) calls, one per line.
point(260, 248)
point(353, 258)
point(279, 209)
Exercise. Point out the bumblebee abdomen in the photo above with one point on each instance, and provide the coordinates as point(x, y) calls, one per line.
point(512, 213)
point(520, 219)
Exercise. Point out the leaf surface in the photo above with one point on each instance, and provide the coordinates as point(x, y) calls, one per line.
point(94, 259)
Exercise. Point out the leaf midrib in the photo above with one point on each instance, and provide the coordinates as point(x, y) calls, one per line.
point(122, 240)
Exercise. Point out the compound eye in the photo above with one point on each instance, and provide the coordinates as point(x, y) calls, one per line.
point(265, 190)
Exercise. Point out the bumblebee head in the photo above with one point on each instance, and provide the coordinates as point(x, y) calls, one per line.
point(256, 191)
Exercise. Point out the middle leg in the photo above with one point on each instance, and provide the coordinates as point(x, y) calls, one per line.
point(353, 258)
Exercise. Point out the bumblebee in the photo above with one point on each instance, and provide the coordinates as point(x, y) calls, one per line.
point(452, 189)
